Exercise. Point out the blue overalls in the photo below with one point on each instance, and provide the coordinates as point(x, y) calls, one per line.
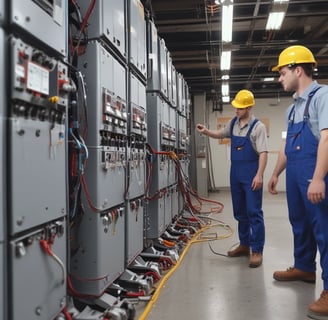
point(247, 204)
point(309, 221)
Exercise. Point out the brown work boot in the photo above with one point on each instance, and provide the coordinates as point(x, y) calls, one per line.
point(239, 251)
point(294, 274)
point(319, 309)
point(255, 260)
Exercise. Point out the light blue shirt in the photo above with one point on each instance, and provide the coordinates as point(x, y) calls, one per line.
point(318, 108)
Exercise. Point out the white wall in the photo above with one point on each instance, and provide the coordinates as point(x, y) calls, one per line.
point(271, 109)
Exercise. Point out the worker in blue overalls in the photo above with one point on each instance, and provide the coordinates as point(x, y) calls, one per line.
point(249, 149)
point(304, 155)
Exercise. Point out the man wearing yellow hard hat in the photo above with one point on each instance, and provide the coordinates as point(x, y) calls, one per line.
point(249, 149)
point(304, 155)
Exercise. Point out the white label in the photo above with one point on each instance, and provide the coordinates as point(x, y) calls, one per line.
point(37, 78)
point(283, 134)
point(20, 71)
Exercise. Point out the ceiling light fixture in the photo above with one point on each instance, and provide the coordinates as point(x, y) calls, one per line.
point(225, 60)
point(275, 20)
point(268, 79)
point(226, 99)
point(225, 89)
point(277, 15)
point(227, 18)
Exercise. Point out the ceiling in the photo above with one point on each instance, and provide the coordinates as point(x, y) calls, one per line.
point(192, 33)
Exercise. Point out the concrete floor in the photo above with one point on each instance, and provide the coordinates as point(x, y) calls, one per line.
point(208, 286)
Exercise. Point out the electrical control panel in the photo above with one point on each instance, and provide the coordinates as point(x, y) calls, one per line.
point(135, 225)
point(105, 79)
point(2, 133)
point(38, 261)
point(137, 36)
point(174, 87)
point(107, 22)
point(137, 169)
point(155, 221)
point(167, 208)
point(99, 258)
point(138, 125)
point(180, 93)
point(183, 138)
point(2, 13)
point(153, 80)
point(43, 20)
point(105, 175)
point(169, 77)
point(163, 52)
point(38, 108)
point(158, 134)
point(174, 200)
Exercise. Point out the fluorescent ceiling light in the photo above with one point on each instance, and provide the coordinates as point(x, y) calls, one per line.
point(280, 1)
point(225, 77)
point(275, 20)
point(225, 89)
point(268, 79)
point(226, 99)
point(227, 17)
point(225, 60)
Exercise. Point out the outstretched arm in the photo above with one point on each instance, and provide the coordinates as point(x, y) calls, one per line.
point(211, 133)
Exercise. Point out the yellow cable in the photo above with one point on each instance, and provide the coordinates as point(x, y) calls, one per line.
point(194, 239)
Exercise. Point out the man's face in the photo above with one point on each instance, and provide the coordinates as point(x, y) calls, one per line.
point(288, 78)
point(242, 113)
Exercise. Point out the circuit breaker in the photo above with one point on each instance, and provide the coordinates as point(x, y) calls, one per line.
point(37, 157)
point(138, 135)
point(137, 34)
point(99, 255)
point(107, 22)
point(29, 15)
point(38, 263)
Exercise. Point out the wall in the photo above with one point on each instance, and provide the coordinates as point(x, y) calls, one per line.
point(218, 155)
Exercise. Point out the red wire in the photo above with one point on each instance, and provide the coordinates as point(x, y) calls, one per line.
point(87, 15)
point(85, 187)
point(67, 314)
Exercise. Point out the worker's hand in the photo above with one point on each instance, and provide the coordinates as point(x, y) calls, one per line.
point(201, 128)
point(257, 183)
point(272, 185)
point(316, 191)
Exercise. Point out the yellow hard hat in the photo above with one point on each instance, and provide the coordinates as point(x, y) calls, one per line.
point(243, 99)
point(294, 55)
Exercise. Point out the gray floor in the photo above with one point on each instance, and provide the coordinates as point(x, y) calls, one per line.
point(208, 286)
